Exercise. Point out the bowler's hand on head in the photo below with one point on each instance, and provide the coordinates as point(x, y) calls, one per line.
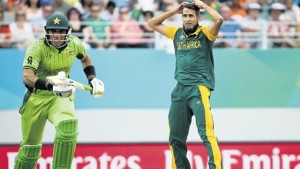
point(180, 7)
point(198, 3)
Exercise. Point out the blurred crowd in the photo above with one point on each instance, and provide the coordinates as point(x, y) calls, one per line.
point(123, 23)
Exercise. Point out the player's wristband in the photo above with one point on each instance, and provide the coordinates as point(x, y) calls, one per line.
point(42, 84)
point(89, 70)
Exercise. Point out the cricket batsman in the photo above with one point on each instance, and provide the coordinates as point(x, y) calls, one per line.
point(44, 101)
point(194, 73)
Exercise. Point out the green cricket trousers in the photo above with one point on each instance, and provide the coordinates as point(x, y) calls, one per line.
point(189, 100)
point(37, 109)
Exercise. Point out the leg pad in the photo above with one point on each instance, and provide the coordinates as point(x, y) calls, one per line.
point(28, 156)
point(65, 144)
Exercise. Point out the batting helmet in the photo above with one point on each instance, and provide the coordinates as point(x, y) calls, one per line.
point(57, 21)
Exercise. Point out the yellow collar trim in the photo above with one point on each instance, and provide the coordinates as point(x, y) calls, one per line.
point(195, 33)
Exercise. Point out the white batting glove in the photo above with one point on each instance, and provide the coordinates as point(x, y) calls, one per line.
point(63, 91)
point(98, 87)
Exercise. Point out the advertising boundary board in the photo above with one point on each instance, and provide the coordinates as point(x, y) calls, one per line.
point(236, 155)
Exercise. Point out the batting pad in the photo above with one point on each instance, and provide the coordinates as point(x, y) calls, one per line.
point(28, 156)
point(65, 144)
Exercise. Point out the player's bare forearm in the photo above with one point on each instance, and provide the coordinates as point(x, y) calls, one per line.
point(212, 12)
point(29, 77)
point(159, 19)
point(97, 86)
point(156, 22)
point(217, 18)
point(87, 61)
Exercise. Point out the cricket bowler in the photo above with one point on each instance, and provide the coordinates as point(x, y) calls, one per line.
point(44, 101)
point(195, 78)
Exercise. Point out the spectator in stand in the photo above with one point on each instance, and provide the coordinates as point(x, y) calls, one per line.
point(100, 27)
point(213, 4)
point(149, 5)
point(148, 32)
point(140, 6)
point(102, 3)
point(47, 10)
point(265, 6)
point(204, 21)
point(5, 37)
point(291, 15)
point(38, 27)
point(164, 3)
point(21, 31)
point(173, 20)
point(33, 10)
point(71, 2)
point(122, 3)
point(279, 31)
point(230, 33)
point(253, 25)
point(243, 3)
point(126, 32)
point(9, 5)
point(83, 32)
point(84, 6)
point(292, 12)
point(46, 2)
point(18, 5)
point(61, 6)
point(111, 12)
point(238, 12)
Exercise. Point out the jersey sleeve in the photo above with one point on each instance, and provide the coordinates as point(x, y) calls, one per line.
point(79, 45)
point(32, 57)
point(206, 32)
point(170, 31)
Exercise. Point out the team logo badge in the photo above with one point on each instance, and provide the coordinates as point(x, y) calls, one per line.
point(181, 37)
point(56, 21)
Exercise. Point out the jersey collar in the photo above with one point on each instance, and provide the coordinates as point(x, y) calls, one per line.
point(195, 33)
point(59, 49)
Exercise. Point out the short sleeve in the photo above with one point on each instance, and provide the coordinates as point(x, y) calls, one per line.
point(32, 56)
point(210, 36)
point(170, 31)
point(79, 45)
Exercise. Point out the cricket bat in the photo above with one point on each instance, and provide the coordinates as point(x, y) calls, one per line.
point(60, 80)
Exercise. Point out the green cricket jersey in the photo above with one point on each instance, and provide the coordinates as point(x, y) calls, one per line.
point(194, 57)
point(46, 60)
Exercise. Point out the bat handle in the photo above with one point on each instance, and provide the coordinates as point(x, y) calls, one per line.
point(88, 88)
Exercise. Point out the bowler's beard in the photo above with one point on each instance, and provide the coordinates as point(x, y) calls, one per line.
point(189, 31)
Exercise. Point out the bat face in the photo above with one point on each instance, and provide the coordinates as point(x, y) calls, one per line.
point(64, 81)
point(58, 80)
